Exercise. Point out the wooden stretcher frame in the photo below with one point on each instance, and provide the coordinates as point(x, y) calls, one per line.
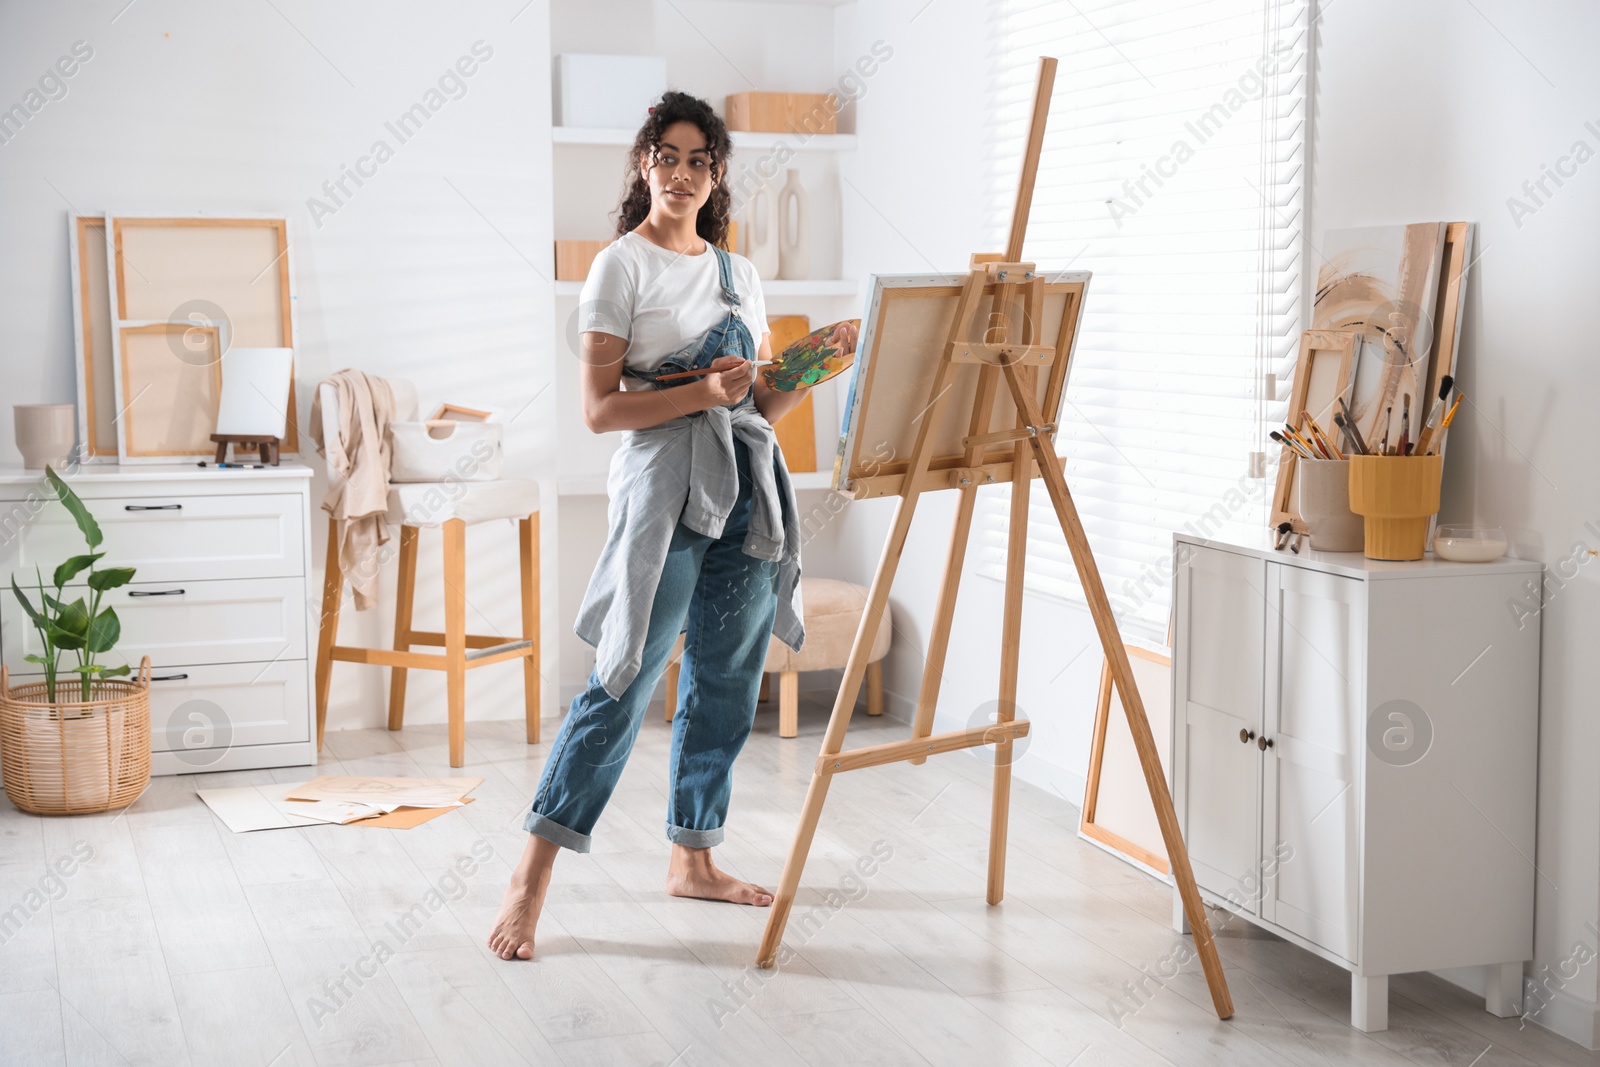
point(280, 268)
point(95, 367)
point(997, 358)
point(128, 382)
point(1315, 347)
point(1089, 825)
point(872, 458)
point(1451, 312)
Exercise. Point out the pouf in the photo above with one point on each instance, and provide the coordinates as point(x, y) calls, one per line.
point(833, 611)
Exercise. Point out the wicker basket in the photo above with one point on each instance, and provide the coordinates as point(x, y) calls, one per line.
point(74, 758)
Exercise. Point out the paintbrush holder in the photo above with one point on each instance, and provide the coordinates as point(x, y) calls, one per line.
point(1396, 495)
point(1324, 487)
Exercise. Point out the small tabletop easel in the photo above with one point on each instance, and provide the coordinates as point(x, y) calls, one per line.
point(997, 357)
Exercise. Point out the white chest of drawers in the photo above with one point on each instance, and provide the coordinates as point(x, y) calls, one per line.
point(1355, 756)
point(220, 600)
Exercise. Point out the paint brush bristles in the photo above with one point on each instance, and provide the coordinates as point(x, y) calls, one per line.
point(1289, 444)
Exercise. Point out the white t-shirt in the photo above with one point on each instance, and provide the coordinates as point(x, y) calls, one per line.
point(660, 301)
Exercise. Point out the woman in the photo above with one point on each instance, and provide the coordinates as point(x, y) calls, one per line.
point(703, 536)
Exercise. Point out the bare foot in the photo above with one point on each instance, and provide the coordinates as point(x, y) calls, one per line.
point(512, 936)
point(692, 874)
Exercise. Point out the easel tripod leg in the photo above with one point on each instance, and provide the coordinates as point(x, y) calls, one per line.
point(1122, 675)
point(1010, 650)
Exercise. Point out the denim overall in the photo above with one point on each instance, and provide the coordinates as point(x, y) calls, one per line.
point(724, 601)
point(730, 337)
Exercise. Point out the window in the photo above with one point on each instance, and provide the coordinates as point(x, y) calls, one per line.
point(1173, 168)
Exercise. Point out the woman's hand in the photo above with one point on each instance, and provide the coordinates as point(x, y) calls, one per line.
point(730, 381)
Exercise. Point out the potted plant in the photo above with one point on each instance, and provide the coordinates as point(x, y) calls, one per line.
point(84, 629)
point(68, 748)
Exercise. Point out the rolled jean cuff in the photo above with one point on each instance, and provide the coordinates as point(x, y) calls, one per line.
point(682, 835)
point(551, 830)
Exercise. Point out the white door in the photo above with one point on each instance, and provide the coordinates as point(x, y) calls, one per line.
point(1216, 711)
point(1315, 634)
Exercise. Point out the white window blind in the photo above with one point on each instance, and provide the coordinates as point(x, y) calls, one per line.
point(1173, 169)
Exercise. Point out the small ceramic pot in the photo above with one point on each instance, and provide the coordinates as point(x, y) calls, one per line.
point(1324, 486)
point(45, 434)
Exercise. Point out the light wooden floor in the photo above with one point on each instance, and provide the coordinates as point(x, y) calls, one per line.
point(179, 942)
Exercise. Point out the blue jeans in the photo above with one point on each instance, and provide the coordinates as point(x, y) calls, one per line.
point(724, 602)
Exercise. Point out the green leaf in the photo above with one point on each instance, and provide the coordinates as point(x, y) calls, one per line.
point(104, 631)
point(110, 578)
point(71, 627)
point(86, 668)
point(70, 501)
point(116, 672)
point(75, 566)
point(38, 620)
point(34, 657)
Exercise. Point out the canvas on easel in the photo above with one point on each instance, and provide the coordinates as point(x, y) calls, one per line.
point(996, 343)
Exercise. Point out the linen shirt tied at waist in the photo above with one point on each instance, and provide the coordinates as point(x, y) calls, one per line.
point(684, 470)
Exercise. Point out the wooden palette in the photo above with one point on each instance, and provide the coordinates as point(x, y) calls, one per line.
point(814, 358)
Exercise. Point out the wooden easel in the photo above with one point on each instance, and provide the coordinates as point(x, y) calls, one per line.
point(997, 358)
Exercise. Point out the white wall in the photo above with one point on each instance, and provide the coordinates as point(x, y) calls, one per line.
point(1438, 110)
point(436, 269)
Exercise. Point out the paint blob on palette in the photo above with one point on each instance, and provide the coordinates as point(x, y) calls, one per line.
point(814, 358)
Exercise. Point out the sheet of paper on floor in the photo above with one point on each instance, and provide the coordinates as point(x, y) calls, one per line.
point(411, 792)
point(247, 808)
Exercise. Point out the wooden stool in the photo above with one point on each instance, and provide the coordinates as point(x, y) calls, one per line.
point(452, 507)
point(833, 614)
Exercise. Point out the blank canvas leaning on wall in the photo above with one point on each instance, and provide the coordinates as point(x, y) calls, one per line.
point(171, 374)
point(91, 331)
point(233, 272)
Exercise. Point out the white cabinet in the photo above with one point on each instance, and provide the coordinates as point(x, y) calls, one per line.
point(1355, 755)
point(220, 600)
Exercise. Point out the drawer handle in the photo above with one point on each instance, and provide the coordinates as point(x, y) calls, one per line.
point(155, 592)
point(1264, 743)
point(1246, 736)
point(152, 507)
point(168, 677)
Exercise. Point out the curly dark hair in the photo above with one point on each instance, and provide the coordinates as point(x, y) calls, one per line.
point(712, 222)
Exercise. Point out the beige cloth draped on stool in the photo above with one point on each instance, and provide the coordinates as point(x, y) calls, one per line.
point(360, 499)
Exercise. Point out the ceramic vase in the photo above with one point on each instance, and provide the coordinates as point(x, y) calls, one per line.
point(761, 233)
point(45, 434)
point(794, 246)
point(1324, 486)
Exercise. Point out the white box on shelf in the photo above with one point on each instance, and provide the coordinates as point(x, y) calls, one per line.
point(610, 91)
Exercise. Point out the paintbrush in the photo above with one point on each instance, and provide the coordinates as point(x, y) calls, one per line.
point(1388, 417)
point(692, 373)
point(1349, 425)
point(1402, 445)
point(1323, 439)
point(1431, 427)
point(1449, 417)
point(1295, 435)
point(1287, 443)
point(1284, 529)
point(1349, 431)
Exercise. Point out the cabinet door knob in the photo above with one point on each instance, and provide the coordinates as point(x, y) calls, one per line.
point(1264, 744)
point(1246, 736)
